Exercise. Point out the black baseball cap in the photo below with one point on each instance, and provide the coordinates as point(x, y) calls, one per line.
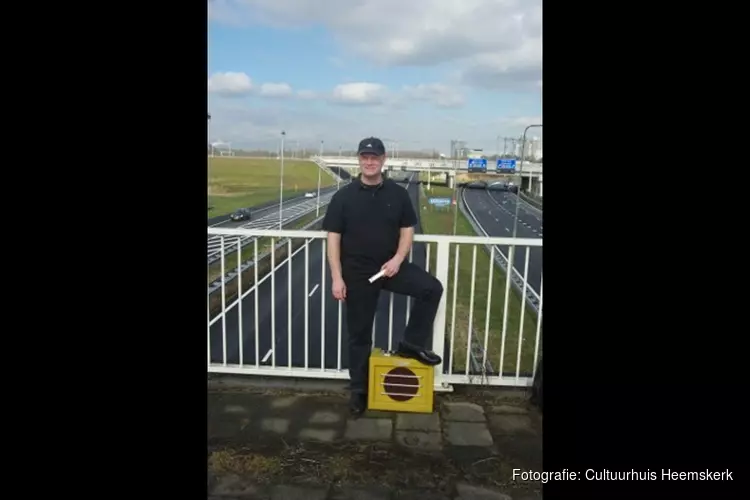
point(371, 145)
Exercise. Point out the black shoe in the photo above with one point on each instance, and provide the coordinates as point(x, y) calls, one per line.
point(422, 355)
point(357, 403)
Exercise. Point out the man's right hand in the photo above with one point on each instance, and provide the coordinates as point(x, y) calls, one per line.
point(338, 287)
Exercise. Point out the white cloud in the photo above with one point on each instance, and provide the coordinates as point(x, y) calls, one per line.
point(254, 125)
point(233, 84)
point(276, 90)
point(230, 83)
point(493, 43)
point(363, 93)
point(521, 67)
point(439, 94)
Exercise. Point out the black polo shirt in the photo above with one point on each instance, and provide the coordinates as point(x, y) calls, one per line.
point(369, 219)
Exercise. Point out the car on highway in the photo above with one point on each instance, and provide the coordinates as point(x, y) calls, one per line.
point(241, 214)
point(309, 195)
point(477, 185)
point(497, 186)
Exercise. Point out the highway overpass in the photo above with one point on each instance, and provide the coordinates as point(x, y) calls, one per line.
point(530, 173)
point(421, 164)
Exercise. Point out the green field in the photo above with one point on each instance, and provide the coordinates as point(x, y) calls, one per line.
point(440, 221)
point(244, 182)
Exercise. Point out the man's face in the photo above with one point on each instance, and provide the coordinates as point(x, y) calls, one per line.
point(370, 164)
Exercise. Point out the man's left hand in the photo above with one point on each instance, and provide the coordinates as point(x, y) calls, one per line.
point(391, 267)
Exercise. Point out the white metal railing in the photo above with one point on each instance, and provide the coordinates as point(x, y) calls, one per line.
point(326, 168)
point(290, 212)
point(502, 258)
point(280, 319)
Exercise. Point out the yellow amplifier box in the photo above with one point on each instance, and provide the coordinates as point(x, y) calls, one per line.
point(399, 384)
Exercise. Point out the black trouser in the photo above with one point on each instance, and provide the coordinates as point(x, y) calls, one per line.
point(361, 304)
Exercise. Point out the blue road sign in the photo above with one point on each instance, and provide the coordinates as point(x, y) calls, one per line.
point(441, 202)
point(477, 164)
point(506, 165)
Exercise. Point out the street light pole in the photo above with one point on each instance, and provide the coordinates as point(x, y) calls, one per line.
point(317, 198)
point(520, 170)
point(454, 160)
point(281, 182)
point(455, 190)
point(208, 173)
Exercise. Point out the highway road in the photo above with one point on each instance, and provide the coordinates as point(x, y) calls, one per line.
point(316, 295)
point(270, 220)
point(264, 209)
point(495, 211)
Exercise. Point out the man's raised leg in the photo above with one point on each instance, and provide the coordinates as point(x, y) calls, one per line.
point(426, 291)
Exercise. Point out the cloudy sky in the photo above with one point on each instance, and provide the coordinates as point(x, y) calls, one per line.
point(418, 72)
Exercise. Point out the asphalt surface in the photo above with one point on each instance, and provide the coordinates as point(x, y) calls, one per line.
point(264, 209)
point(268, 221)
point(314, 295)
point(495, 211)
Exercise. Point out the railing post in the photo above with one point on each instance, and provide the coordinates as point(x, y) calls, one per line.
point(438, 329)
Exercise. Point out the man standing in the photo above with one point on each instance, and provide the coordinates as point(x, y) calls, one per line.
point(370, 225)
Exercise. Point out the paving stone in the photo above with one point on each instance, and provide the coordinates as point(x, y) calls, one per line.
point(325, 435)
point(369, 429)
point(420, 440)
point(474, 458)
point(287, 492)
point(238, 409)
point(244, 422)
point(467, 434)
point(526, 451)
point(511, 424)
point(511, 409)
point(284, 402)
point(277, 425)
point(224, 427)
point(377, 414)
point(418, 422)
point(468, 492)
point(352, 493)
point(325, 417)
point(463, 412)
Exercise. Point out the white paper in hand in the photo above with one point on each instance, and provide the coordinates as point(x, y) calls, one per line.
point(377, 276)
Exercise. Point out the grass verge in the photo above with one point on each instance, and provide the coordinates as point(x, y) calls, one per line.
point(364, 465)
point(437, 220)
point(243, 182)
point(264, 264)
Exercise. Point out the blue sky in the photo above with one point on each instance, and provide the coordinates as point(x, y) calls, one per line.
point(409, 72)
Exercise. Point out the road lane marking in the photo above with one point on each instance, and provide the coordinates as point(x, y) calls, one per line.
point(313, 290)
